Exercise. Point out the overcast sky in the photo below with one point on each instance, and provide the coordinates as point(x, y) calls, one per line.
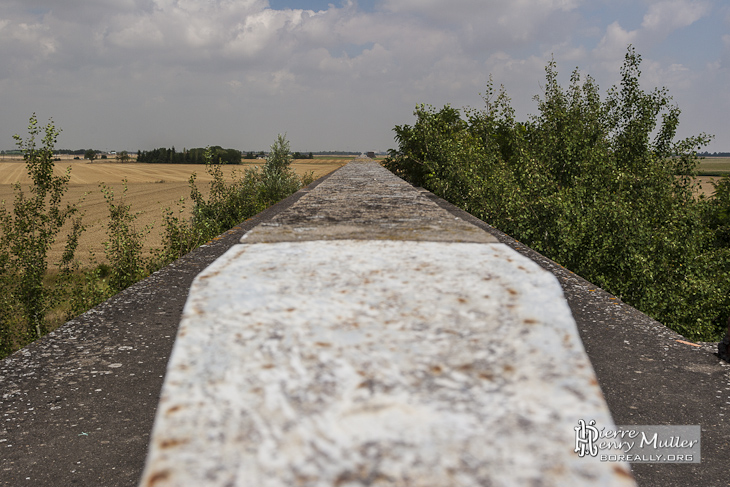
point(139, 74)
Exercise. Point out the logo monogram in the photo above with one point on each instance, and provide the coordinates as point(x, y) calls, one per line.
point(585, 437)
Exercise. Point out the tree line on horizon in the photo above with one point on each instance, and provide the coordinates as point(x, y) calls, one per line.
point(189, 156)
point(165, 154)
point(713, 154)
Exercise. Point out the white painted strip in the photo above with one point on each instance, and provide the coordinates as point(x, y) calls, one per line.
point(345, 363)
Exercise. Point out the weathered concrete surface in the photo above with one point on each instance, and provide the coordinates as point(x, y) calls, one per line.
point(310, 358)
point(376, 363)
point(364, 201)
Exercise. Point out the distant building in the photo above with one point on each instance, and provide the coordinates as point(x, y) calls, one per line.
point(371, 155)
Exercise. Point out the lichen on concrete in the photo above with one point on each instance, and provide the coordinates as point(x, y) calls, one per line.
point(364, 201)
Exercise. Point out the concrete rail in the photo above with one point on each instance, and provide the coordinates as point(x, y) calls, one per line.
point(366, 336)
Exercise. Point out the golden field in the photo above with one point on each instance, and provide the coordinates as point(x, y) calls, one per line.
point(706, 186)
point(720, 166)
point(715, 164)
point(151, 188)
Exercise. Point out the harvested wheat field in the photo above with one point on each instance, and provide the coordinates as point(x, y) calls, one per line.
point(151, 189)
point(706, 185)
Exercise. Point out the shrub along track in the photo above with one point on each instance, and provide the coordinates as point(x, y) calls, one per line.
point(151, 188)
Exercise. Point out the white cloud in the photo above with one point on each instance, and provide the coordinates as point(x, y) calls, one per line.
point(150, 58)
point(500, 11)
point(24, 46)
point(668, 15)
point(141, 33)
point(724, 61)
point(612, 45)
point(658, 22)
point(496, 24)
point(678, 76)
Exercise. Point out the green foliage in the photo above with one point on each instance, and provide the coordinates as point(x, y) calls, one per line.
point(278, 180)
point(180, 235)
point(26, 235)
point(718, 213)
point(29, 294)
point(228, 204)
point(86, 289)
point(90, 154)
point(280, 159)
point(602, 187)
point(124, 247)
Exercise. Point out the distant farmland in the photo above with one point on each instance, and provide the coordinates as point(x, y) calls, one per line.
point(710, 170)
point(714, 166)
point(152, 187)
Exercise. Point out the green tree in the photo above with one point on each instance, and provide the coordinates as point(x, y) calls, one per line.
point(718, 213)
point(278, 179)
point(602, 187)
point(90, 154)
point(124, 247)
point(28, 232)
point(280, 159)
